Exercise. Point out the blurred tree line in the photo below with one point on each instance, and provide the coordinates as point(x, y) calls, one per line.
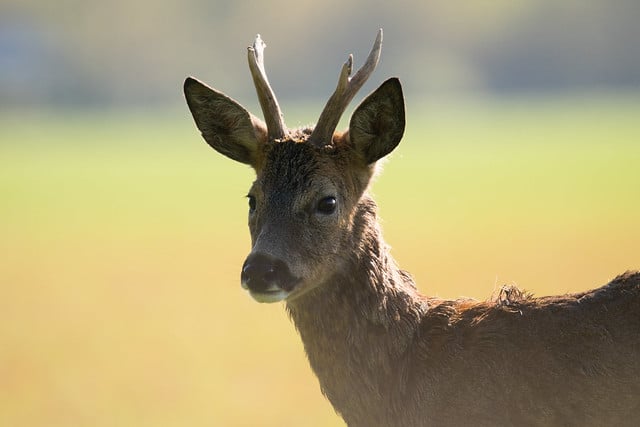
point(137, 52)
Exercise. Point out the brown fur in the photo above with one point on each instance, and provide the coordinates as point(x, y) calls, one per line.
point(384, 354)
point(387, 356)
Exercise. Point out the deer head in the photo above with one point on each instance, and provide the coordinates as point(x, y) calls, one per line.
point(310, 186)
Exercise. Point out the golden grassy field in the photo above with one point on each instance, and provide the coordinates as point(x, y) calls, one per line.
point(121, 241)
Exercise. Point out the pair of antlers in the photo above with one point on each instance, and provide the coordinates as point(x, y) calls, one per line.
point(347, 87)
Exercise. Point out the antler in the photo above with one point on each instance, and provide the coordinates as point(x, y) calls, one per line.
point(345, 91)
point(268, 102)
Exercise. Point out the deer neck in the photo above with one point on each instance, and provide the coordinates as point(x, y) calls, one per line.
point(357, 327)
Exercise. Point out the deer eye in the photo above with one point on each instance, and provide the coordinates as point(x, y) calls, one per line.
point(327, 205)
point(252, 203)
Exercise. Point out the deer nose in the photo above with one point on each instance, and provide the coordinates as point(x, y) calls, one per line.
point(263, 274)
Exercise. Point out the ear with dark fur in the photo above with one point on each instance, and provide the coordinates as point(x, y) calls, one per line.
point(225, 125)
point(377, 124)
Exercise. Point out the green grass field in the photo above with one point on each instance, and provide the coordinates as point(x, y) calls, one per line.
point(122, 237)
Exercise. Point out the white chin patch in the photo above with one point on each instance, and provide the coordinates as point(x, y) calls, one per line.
point(270, 296)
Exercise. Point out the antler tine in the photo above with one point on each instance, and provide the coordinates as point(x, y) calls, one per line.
point(345, 91)
point(268, 102)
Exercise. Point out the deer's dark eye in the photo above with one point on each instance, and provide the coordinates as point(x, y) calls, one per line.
point(252, 203)
point(327, 206)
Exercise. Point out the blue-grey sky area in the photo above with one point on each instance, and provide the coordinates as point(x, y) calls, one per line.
point(137, 52)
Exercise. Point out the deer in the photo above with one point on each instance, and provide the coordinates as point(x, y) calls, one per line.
point(383, 353)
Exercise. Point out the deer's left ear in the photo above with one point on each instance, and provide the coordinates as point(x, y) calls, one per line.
point(377, 124)
point(226, 126)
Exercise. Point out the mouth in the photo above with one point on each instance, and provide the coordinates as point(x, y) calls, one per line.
point(273, 293)
point(269, 296)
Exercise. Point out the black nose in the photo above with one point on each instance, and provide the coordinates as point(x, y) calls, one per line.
point(263, 273)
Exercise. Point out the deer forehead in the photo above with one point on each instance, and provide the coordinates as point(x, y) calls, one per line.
point(291, 168)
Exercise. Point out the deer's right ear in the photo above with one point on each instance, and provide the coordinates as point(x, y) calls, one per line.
point(377, 124)
point(226, 126)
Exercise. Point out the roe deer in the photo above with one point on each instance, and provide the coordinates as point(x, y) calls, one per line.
point(384, 354)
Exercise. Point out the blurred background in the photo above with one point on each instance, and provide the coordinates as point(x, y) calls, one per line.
point(122, 233)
